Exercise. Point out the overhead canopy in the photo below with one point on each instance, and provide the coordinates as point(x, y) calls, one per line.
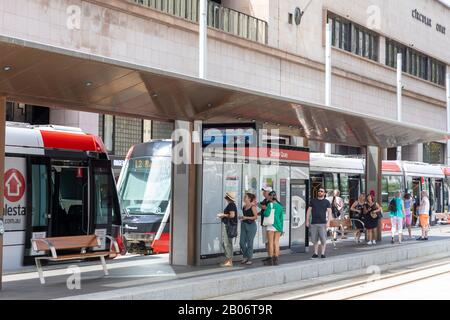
point(56, 77)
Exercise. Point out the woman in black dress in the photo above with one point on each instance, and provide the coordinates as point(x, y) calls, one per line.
point(357, 212)
point(371, 216)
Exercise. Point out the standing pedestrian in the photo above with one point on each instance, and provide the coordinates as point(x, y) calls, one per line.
point(372, 212)
point(408, 202)
point(337, 205)
point(397, 212)
point(263, 205)
point(356, 212)
point(274, 231)
point(248, 227)
point(229, 227)
point(318, 219)
point(424, 215)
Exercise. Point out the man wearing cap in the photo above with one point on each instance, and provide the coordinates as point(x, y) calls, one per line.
point(229, 216)
point(263, 205)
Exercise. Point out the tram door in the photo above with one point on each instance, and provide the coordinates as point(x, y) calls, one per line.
point(439, 207)
point(353, 188)
point(416, 195)
point(299, 203)
point(69, 215)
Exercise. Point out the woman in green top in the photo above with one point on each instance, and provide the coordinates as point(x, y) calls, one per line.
point(274, 231)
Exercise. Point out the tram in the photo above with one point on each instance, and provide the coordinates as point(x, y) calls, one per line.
point(347, 175)
point(58, 182)
point(144, 187)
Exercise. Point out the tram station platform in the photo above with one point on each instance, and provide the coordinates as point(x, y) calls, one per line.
point(151, 277)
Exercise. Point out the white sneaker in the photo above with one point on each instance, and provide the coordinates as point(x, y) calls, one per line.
point(374, 242)
point(369, 243)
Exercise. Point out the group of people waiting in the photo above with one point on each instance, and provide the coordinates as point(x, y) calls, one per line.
point(272, 219)
point(365, 214)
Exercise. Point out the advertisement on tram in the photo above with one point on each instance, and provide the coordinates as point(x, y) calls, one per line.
point(58, 182)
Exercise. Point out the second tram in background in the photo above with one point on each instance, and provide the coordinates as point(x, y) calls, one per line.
point(144, 188)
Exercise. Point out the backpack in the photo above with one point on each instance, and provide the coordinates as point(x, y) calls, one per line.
point(393, 205)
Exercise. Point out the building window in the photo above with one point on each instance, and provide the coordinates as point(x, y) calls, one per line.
point(415, 63)
point(353, 38)
point(433, 153)
point(108, 132)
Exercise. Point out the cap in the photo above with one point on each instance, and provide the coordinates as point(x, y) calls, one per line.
point(267, 189)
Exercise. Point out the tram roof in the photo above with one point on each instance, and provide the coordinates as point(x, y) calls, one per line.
point(56, 77)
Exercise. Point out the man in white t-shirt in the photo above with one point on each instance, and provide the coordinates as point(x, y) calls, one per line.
point(424, 215)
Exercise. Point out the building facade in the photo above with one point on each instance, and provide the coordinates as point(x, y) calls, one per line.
point(278, 47)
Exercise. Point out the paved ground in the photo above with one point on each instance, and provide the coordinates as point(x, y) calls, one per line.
point(131, 271)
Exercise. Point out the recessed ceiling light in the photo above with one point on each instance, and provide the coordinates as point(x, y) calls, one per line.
point(88, 83)
point(253, 120)
point(154, 95)
point(7, 68)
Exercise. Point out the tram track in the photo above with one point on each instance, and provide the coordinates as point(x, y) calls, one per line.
point(367, 287)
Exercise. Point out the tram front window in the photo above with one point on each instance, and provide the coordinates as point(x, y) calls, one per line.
point(146, 187)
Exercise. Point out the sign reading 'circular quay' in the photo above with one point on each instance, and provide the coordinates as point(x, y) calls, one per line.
point(427, 21)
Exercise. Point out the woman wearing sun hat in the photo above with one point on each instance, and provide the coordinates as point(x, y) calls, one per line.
point(229, 221)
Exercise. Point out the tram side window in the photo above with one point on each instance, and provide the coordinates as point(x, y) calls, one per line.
point(329, 184)
point(104, 197)
point(390, 185)
point(39, 195)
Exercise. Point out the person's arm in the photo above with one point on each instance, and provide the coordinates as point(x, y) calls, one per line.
point(308, 216)
point(378, 209)
point(352, 209)
point(330, 217)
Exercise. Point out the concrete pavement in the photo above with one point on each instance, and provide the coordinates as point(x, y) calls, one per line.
point(153, 278)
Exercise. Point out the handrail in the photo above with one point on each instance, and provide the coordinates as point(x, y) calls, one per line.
point(219, 17)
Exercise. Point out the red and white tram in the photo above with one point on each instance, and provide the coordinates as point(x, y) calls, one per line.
point(58, 182)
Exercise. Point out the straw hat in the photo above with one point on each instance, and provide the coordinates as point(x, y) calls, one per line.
point(231, 196)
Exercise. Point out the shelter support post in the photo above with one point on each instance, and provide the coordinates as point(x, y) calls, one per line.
point(374, 158)
point(183, 222)
point(2, 172)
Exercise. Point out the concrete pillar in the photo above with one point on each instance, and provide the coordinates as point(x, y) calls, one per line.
point(373, 175)
point(184, 219)
point(2, 172)
point(447, 85)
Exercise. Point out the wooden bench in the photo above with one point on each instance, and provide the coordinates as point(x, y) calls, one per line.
point(83, 243)
point(345, 226)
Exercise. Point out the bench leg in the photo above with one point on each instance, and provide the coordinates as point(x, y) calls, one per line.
point(105, 269)
point(40, 271)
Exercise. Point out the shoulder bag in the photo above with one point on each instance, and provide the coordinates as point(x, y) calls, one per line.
point(269, 221)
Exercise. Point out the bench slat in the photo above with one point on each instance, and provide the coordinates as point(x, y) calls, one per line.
point(81, 256)
point(74, 242)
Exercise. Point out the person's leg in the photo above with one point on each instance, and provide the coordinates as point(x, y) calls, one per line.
point(314, 238)
point(393, 227)
point(227, 245)
point(243, 241)
point(277, 236)
point(400, 229)
point(270, 239)
point(251, 233)
point(323, 238)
